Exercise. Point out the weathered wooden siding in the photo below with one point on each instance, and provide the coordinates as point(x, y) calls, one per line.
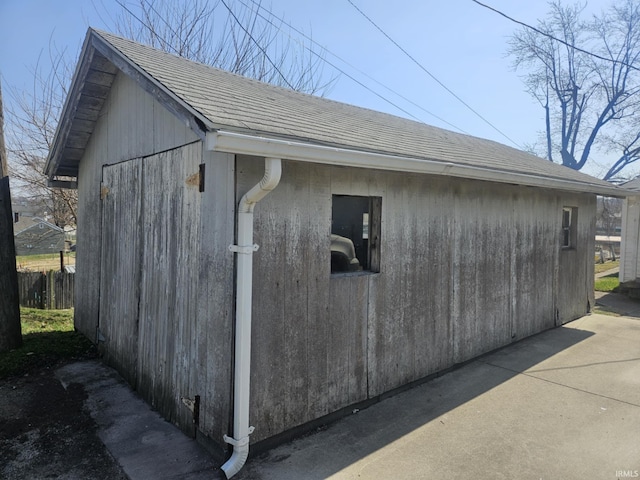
point(167, 290)
point(629, 258)
point(215, 300)
point(535, 244)
point(575, 265)
point(466, 267)
point(131, 124)
point(169, 331)
point(121, 265)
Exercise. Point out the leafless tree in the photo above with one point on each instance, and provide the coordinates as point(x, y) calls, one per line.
point(233, 35)
point(238, 36)
point(32, 119)
point(10, 330)
point(585, 74)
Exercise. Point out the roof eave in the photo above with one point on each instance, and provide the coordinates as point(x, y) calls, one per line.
point(240, 143)
point(93, 43)
point(64, 124)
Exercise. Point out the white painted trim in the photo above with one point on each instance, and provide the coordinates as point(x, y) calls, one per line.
point(239, 143)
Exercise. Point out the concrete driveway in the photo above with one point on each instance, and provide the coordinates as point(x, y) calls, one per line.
point(564, 404)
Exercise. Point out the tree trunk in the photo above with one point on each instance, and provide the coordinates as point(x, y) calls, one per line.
point(10, 331)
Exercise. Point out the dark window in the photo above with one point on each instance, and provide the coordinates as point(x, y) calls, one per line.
point(355, 233)
point(569, 229)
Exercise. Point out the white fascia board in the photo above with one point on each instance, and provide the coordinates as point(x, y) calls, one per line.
point(243, 144)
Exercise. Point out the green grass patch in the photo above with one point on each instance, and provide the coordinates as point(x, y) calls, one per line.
point(608, 283)
point(48, 337)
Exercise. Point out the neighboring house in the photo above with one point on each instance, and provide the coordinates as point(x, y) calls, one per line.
point(630, 242)
point(463, 245)
point(34, 235)
point(23, 208)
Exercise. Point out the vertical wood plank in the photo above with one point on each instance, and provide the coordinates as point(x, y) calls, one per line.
point(120, 260)
point(215, 298)
point(296, 329)
point(319, 297)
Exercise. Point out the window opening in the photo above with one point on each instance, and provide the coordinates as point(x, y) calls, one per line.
point(569, 229)
point(355, 233)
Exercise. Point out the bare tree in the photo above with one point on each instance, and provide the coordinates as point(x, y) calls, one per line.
point(228, 34)
point(225, 34)
point(585, 74)
point(10, 330)
point(32, 120)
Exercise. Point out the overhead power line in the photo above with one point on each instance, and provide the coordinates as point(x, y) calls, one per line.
point(166, 45)
point(548, 35)
point(431, 75)
point(264, 52)
point(301, 33)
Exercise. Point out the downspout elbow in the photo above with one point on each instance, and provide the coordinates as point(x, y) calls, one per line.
point(270, 180)
point(237, 460)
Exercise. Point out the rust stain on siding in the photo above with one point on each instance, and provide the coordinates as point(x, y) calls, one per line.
point(194, 180)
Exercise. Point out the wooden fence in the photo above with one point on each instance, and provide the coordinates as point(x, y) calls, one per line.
point(52, 290)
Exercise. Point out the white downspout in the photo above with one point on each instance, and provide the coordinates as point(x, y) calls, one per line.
point(244, 282)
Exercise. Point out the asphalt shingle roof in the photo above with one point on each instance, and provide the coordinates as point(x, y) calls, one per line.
point(232, 102)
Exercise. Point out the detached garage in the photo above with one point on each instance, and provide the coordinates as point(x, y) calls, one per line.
point(249, 256)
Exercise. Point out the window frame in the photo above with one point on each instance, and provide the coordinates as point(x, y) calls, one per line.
point(569, 228)
point(371, 233)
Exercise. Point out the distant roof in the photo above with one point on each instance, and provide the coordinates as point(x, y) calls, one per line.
point(633, 184)
point(608, 238)
point(25, 223)
point(210, 99)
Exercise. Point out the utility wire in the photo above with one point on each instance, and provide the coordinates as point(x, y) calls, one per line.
point(152, 30)
point(282, 21)
point(257, 45)
point(548, 35)
point(431, 75)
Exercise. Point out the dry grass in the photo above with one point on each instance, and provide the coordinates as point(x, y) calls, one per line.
point(603, 267)
point(43, 263)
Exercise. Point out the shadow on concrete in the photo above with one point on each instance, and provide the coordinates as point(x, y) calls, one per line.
point(618, 303)
point(332, 448)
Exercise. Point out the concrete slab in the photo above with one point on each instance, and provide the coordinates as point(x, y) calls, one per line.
point(563, 404)
point(143, 443)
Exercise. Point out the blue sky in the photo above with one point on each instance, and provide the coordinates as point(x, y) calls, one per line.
point(461, 43)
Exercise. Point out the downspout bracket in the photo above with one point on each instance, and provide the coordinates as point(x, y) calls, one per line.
point(246, 250)
point(238, 442)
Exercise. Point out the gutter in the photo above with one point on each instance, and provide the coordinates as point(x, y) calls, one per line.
point(244, 286)
point(240, 143)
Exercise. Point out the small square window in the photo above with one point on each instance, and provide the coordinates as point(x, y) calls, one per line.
point(355, 233)
point(569, 227)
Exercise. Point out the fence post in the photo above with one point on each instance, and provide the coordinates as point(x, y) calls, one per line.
point(43, 290)
point(51, 290)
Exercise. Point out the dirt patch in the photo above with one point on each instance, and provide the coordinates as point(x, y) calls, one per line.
point(46, 432)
